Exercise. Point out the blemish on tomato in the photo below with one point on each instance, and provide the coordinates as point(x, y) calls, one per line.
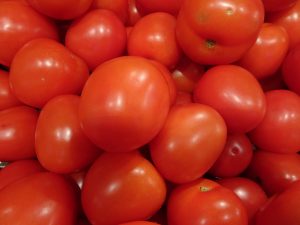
point(204, 189)
point(229, 11)
point(210, 44)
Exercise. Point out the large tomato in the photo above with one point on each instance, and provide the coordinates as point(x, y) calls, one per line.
point(124, 104)
point(151, 6)
point(218, 32)
point(122, 187)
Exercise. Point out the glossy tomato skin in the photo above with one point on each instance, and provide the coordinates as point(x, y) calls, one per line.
point(139, 223)
point(124, 104)
point(277, 5)
point(272, 43)
point(97, 37)
point(235, 94)
point(207, 30)
point(122, 187)
point(279, 131)
point(274, 171)
point(19, 24)
point(183, 98)
point(205, 202)
point(60, 144)
point(235, 157)
point(62, 10)
point(153, 37)
point(151, 6)
point(43, 69)
point(40, 199)
point(17, 130)
point(133, 13)
point(7, 97)
point(192, 138)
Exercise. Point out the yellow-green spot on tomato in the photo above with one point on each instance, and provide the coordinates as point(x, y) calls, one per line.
point(210, 44)
point(229, 11)
point(204, 189)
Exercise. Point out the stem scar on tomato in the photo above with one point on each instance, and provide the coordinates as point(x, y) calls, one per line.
point(210, 44)
point(204, 189)
point(229, 11)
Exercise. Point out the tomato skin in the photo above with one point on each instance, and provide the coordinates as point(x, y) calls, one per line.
point(123, 187)
point(205, 202)
point(43, 69)
point(24, 24)
point(183, 98)
point(272, 43)
point(49, 198)
point(17, 130)
point(277, 5)
point(97, 37)
point(274, 133)
point(273, 82)
point(124, 104)
point(206, 30)
point(61, 146)
point(235, 157)
point(192, 138)
point(151, 6)
point(235, 94)
point(139, 223)
point(133, 13)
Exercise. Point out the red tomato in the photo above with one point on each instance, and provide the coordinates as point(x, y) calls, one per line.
point(39, 199)
point(43, 69)
point(62, 10)
point(97, 37)
point(275, 172)
point(151, 6)
point(273, 82)
point(205, 202)
point(133, 13)
point(277, 5)
point(251, 194)
point(17, 130)
point(235, 157)
point(218, 32)
point(19, 24)
point(183, 98)
point(272, 43)
point(279, 131)
point(190, 141)
point(153, 37)
point(123, 187)
point(7, 98)
point(78, 177)
point(235, 94)
point(61, 146)
point(139, 223)
point(124, 104)
point(18, 169)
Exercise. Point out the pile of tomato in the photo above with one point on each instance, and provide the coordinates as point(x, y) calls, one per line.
point(149, 112)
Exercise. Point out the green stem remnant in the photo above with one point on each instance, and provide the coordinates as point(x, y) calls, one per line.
point(204, 189)
point(210, 44)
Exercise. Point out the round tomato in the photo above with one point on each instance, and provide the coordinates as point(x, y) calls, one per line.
point(151, 6)
point(43, 69)
point(124, 104)
point(122, 187)
point(235, 94)
point(277, 5)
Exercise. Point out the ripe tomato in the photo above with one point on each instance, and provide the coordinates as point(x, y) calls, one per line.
point(39, 199)
point(273, 82)
point(17, 130)
point(277, 5)
point(122, 187)
point(97, 37)
point(124, 104)
point(235, 157)
point(153, 37)
point(235, 94)
point(205, 202)
point(183, 98)
point(218, 32)
point(19, 24)
point(279, 131)
point(60, 144)
point(133, 13)
point(190, 141)
point(43, 69)
point(151, 6)
point(272, 43)
point(139, 223)
point(78, 177)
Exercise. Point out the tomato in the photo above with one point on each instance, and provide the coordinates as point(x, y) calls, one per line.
point(62, 10)
point(272, 43)
point(61, 146)
point(218, 31)
point(291, 69)
point(275, 172)
point(7, 97)
point(78, 177)
point(18, 169)
point(151, 6)
point(133, 13)
point(277, 5)
point(97, 37)
point(43, 69)
point(139, 223)
point(273, 82)
point(235, 157)
point(153, 37)
point(122, 187)
point(19, 24)
point(40, 199)
point(124, 104)
point(205, 202)
point(279, 131)
point(250, 193)
point(183, 98)
point(235, 94)
point(17, 130)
